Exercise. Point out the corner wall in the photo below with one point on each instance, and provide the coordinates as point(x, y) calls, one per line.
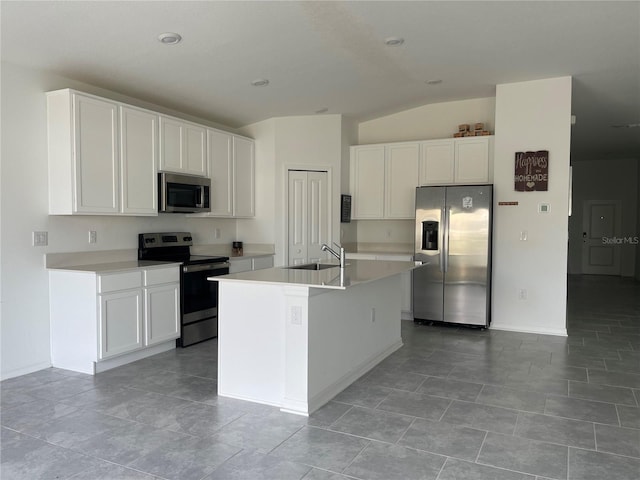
point(532, 115)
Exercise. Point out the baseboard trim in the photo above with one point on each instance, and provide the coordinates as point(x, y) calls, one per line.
point(562, 332)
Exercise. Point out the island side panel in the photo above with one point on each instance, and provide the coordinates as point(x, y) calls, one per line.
point(351, 331)
point(251, 342)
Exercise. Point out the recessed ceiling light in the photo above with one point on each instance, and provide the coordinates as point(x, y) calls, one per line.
point(394, 41)
point(169, 38)
point(260, 82)
point(322, 110)
point(433, 82)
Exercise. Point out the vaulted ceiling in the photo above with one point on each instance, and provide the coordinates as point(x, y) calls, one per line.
point(331, 56)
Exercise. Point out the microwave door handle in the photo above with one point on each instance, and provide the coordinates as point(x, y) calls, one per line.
point(199, 197)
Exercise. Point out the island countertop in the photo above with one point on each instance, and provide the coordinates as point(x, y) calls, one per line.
point(354, 273)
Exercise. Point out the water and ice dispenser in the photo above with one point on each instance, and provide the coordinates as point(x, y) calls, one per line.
point(430, 235)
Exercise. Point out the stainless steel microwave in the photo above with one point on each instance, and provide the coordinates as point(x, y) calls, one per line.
point(183, 193)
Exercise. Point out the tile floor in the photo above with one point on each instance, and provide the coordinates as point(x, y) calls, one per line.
point(452, 404)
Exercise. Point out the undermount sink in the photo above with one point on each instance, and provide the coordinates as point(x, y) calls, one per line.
point(312, 266)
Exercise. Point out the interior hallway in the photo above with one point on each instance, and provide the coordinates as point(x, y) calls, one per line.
point(451, 404)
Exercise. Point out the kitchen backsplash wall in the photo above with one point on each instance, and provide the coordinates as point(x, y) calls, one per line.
point(384, 231)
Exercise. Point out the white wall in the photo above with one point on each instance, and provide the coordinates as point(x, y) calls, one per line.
point(24, 298)
point(531, 116)
point(291, 142)
point(605, 180)
point(436, 120)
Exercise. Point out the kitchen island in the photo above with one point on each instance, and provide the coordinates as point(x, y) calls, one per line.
point(295, 338)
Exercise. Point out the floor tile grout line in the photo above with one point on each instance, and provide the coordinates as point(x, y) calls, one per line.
point(484, 439)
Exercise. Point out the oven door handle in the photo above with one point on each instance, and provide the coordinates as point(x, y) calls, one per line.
point(205, 266)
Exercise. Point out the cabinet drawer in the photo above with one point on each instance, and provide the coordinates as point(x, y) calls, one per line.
point(119, 281)
point(159, 276)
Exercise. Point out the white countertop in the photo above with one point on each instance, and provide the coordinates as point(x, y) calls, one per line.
point(112, 267)
point(356, 272)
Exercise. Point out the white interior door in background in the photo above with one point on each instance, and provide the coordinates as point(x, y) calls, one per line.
point(601, 225)
point(308, 219)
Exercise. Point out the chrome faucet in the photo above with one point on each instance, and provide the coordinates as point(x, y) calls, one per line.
point(339, 256)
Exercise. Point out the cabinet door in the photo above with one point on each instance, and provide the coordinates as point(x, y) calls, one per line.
point(220, 153)
point(138, 161)
point(472, 160)
point(260, 263)
point(401, 180)
point(162, 313)
point(237, 265)
point(243, 177)
point(194, 155)
point(120, 322)
point(367, 181)
point(437, 162)
point(171, 145)
point(96, 155)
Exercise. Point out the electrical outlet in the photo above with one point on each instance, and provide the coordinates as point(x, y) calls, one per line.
point(40, 239)
point(93, 236)
point(522, 294)
point(524, 236)
point(216, 233)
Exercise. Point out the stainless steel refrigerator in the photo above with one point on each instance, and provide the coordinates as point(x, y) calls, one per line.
point(453, 241)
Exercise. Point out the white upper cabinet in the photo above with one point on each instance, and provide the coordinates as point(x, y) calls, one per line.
point(465, 160)
point(138, 161)
point(220, 151)
point(367, 181)
point(473, 160)
point(384, 179)
point(243, 177)
point(231, 168)
point(401, 179)
point(436, 162)
point(83, 154)
point(183, 147)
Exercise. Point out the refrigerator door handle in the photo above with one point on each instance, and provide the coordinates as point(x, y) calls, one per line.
point(442, 240)
point(446, 215)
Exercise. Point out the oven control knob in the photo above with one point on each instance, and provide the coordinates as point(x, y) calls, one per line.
point(187, 239)
point(149, 240)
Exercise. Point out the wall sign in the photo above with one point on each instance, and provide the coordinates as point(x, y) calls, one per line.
point(532, 171)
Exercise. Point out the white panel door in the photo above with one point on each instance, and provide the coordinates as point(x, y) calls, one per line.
point(472, 160)
point(297, 217)
point(96, 155)
point(220, 152)
point(243, 177)
point(436, 162)
point(138, 161)
point(401, 180)
point(195, 150)
point(120, 322)
point(162, 313)
point(308, 218)
point(601, 222)
point(171, 145)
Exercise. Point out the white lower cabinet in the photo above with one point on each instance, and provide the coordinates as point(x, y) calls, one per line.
point(103, 320)
point(120, 321)
point(246, 264)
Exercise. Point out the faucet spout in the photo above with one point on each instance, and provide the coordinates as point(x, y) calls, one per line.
point(340, 256)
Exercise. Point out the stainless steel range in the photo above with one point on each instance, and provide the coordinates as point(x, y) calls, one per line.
point(198, 296)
